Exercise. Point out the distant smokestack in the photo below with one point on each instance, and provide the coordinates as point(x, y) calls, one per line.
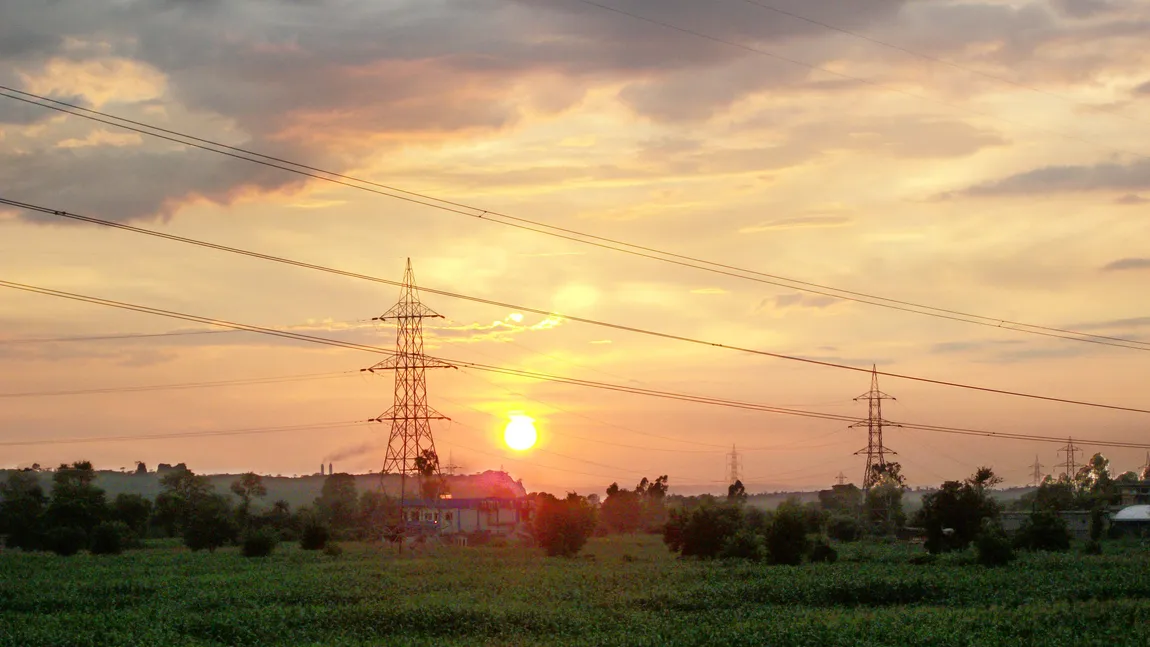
point(321, 469)
point(329, 472)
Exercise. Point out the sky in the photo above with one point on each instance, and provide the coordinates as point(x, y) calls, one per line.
point(981, 156)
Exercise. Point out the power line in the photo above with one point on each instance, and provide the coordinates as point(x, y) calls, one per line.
point(548, 313)
point(942, 61)
point(183, 434)
point(113, 336)
point(179, 387)
point(565, 380)
point(552, 230)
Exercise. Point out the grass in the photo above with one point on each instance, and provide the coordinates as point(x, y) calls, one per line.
point(622, 591)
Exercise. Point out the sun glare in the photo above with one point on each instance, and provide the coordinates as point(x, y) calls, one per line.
point(520, 433)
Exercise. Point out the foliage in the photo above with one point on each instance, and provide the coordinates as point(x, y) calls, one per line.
point(1097, 522)
point(336, 504)
point(744, 544)
point(562, 527)
point(66, 540)
point(844, 500)
point(1043, 530)
point(882, 506)
point(258, 543)
point(823, 552)
point(247, 487)
point(431, 485)
point(210, 524)
point(702, 532)
point(315, 535)
point(75, 501)
point(22, 503)
point(133, 511)
point(111, 538)
point(736, 493)
point(953, 515)
point(787, 537)
point(620, 512)
point(333, 550)
point(1093, 547)
point(993, 545)
point(842, 528)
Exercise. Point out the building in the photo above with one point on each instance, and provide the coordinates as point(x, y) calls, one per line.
point(1135, 493)
point(501, 517)
point(1077, 522)
point(1131, 521)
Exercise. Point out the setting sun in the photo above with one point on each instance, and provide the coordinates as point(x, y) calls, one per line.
point(520, 433)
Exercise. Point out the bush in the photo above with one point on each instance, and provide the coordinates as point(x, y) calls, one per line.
point(1043, 530)
point(787, 537)
point(333, 550)
point(66, 540)
point(704, 531)
point(924, 559)
point(845, 529)
point(823, 552)
point(562, 527)
point(744, 544)
point(211, 523)
point(1093, 547)
point(314, 536)
point(259, 543)
point(993, 546)
point(110, 538)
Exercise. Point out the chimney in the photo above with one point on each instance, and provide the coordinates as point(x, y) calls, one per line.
point(329, 472)
point(321, 469)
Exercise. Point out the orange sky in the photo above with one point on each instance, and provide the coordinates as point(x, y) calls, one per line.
point(925, 182)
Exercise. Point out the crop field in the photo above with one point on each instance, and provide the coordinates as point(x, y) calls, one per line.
point(628, 591)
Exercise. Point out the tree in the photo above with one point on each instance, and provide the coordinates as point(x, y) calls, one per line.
point(247, 487)
point(562, 527)
point(22, 502)
point(992, 544)
point(736, 493)
point(959, 508)
point(621, 511)
point(1043, 530)
point(182, 491)
point(211, 523)
point(844, 500)
point(652, 511)
point(1050, 496)
point(75, 501)
point(430, 483)
point(1095, 482)
point(703, 531)
point(787, 536)
point(337, 503)
point(133, 511)
point(141, 468)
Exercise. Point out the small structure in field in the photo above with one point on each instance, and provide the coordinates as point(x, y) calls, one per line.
point(1131, 521)
point(495, 517)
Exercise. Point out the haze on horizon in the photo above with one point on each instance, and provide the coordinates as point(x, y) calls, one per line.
point(1026, 199)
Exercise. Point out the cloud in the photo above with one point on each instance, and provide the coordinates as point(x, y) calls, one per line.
point(1143, 89)
point(1131, 199)
point(803, 222)
point(709, 291)
point(1128, 264)
point(797, 301)
point(1083, 8)
point(1106, 176)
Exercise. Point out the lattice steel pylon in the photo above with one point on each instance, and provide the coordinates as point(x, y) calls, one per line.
point(1036, 475)
point(733, 472)
point(876, 452)
point(1070, 467)
point(410, 416)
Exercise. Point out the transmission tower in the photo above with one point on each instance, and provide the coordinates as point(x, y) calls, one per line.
point(876, 452)
point(1036, 475)
point(409, 415)
point(841, 479)
point(1070, 467)
point(733, 465)
point(451, 468)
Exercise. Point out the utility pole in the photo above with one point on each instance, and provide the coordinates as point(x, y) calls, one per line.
point(1036, 475)
point(409, 415)
point(733, 466)
point(876, 452)
point(1070, 467)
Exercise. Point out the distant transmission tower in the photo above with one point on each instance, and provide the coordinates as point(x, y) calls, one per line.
point(1036, 475)
point(409, 415)
point(1070, 467)
point(451, 468)
point(733, 466)
point(876, 452)
point(841, 479)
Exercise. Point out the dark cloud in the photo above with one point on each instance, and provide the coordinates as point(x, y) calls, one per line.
point(1107, 176)
point(796, 300)
point(19, 113)
point(1131, 199)
point(1143, 89)
point(1084, 8)
point(1128, 264)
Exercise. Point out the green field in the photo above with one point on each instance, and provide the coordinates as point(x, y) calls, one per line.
point(628, 591)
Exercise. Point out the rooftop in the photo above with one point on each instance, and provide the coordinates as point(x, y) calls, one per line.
point(1133, 513)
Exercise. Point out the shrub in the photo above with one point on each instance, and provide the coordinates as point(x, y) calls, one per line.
point(925, 559)
point(744, 544)
point(1093, 547)
point(110, 538)
point(562, 527)
point(704, 531)
point(844, 529)
point(1043, 530)
point(823, 552)
point(333, 550)
point(787, 537)
point(314, 536)
point(993, 546)
point(66, 540)
point(259, 543)
point(211, 523)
